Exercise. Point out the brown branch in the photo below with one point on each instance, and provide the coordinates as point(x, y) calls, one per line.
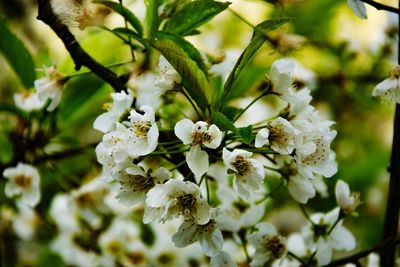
point(380, 6)
point(391, 242)
point(391, 224)
point(79, 56)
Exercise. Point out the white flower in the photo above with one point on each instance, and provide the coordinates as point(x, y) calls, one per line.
point(320, 161)
point(50, 87)
point(118, 239)
point(269, 244)
point(281, 75)
point(111, 153)
point(249, 173)
point(23, 180)
point(141, 136)
point(87, 202)
point(223, 259)
point(122, 103)
point(208, 235)
point(147, 93)
point(281, 134)
point(26, 223)
point(28, 101)
point(136, 182)
point(346, 200)
point(168, 77)
point(324, 239)
point(176, 198)
point(358, 8)
point(197, 135)
point(300, 187)
point(389, 89)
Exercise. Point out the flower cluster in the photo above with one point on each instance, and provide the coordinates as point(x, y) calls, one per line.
point(168, 172)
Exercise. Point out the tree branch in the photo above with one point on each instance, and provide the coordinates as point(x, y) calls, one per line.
point(393, 201)
point(380, 6)
point(391, 242)
point(79, 56)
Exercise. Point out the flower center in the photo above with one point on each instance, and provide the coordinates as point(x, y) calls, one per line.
point(207, 228)
point(277, 134)
point(320, 230)
point(141, 128)
point(200, 137)
point(242, 166)
point(320, 155)
point(136, 258)
point(139, 182)
point(23, 181)
point(186, 203)
point(276, 245)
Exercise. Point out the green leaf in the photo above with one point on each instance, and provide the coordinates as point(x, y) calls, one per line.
point(245, 134)
point(17, 55)
point(126, 13)
point(152, 18)
point(231, 112)
point(185, 45)
point(193, 14)
point(223, 122)
point(193, 78)
point(226, 124)
point(257, 40)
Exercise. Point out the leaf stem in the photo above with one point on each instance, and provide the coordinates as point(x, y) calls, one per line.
point(249, 105)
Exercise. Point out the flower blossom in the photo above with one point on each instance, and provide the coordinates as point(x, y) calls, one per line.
point(141, 135)
point(327, 233)
point(198, 135)
point(50, 87)
point(389, 89)
point(28, 101)
point(269, 245)
point(122, 103)
point(176, 198)
point(280, 134)
point(23, 180)
point(136, 182)
point(208, 235)
point(346, 200)
point(249, 173)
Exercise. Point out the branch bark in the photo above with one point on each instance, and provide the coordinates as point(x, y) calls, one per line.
point(391, 242)
point(393, 201)
point(79, 56)
point(380, 6)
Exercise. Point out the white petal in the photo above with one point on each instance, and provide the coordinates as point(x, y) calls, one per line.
point(130, 198)
point(197, 161)
point(105, 122)
point(358, 8)
point(342, 239)
point(223, 259)
point(186, 235)
point(262, 138)
point(301, 188)
point(385, 86)
point(216, 137)
point(183, 130)
point(324, 252)
point(211, 244)
point(203, 211)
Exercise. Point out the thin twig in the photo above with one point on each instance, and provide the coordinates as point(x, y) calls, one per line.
point(380, 6)
point(79, 56)
point(391, 242)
